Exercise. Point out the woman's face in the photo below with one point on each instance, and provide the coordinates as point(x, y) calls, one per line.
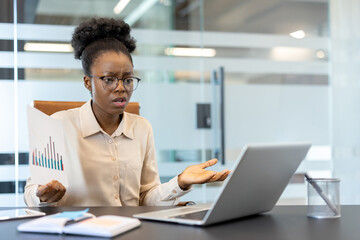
point(104, 102)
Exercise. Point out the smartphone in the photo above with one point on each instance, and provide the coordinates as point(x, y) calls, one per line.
point(19, 213)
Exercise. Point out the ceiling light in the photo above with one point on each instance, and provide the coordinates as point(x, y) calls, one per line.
point(190, 52)
point(320, 54)
point(48, 47)
point(300, 34)
point(291, 54)
point(137, 13)
point(120, 6)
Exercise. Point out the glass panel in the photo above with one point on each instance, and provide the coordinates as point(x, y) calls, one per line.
point(153, 24)
point(276, 84)
point(275, 56)
point(267, 17)
point(7, 122)
point(6, 11)
point(345, 97)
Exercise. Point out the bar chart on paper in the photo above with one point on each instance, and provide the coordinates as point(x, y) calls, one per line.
point(48, 154)
point(48, 157)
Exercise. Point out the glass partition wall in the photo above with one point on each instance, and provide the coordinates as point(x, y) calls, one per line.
point(275, 60)
point(9, 161)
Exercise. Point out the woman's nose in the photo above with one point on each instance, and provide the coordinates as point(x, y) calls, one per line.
point(120, 87)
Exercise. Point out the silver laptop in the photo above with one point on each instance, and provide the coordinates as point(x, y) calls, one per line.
point(259, 177)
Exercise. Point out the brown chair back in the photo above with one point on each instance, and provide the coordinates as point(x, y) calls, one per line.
point(50, 107)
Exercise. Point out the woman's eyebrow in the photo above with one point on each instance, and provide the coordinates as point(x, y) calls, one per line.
point(114, 73)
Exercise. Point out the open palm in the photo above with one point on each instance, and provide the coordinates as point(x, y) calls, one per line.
point(196, 174)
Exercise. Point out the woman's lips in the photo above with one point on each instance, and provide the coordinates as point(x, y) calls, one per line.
point(120, 102)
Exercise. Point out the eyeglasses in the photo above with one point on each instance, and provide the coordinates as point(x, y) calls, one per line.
point(110, 83)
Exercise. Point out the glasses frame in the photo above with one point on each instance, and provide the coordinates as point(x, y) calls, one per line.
point(117, 84)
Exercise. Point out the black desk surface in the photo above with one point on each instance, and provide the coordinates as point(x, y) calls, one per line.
point(283, 222)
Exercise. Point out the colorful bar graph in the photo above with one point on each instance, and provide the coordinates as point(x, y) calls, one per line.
point(62, 166)
point(49, 158)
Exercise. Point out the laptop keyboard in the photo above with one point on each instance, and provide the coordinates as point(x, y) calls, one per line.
point(193, 216)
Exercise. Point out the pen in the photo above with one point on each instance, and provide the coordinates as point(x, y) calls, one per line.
point(77, 221)
point(322, 194)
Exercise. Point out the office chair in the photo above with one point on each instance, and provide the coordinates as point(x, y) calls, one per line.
point(50, 107)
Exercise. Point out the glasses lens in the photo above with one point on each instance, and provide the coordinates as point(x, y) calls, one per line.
point(130, 84)
point(110, 83)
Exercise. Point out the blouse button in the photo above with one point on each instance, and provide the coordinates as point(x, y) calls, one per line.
point(110, 140)
point(115, 177)
point(113, 158)
point(116, 196)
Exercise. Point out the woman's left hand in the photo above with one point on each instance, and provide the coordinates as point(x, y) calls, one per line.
point(196, 174)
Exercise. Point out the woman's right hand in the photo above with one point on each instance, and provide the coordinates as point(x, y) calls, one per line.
point(51, 192)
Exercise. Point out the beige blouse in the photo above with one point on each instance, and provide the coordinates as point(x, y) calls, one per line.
point(116, 170)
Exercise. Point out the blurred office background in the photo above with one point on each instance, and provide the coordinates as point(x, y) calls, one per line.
point(290, 74)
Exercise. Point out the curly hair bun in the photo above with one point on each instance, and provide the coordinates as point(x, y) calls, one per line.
point(101, 28)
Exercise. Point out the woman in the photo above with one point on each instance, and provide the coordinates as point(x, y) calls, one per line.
point(114, 151)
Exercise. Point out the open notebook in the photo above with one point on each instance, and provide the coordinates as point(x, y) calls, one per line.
point(80, 223)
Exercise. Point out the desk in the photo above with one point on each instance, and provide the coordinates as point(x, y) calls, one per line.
point(282, 223)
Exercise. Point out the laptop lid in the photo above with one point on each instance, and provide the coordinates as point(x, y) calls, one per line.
point(259, 176)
